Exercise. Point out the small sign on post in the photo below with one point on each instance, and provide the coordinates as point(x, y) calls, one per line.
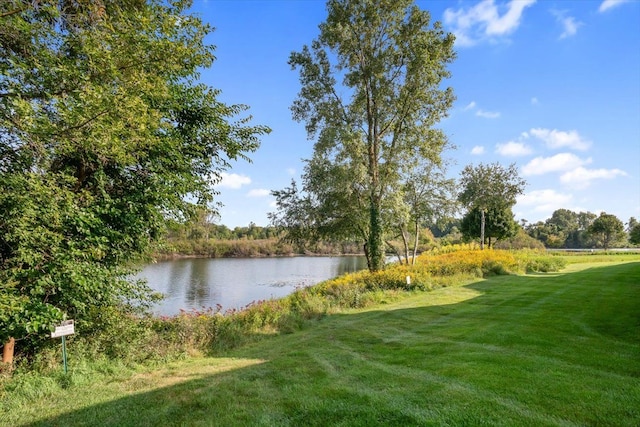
point(67, 327)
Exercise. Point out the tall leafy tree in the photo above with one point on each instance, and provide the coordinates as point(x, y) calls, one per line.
point(547, 234)
point(105, 134)
point(581, 237)
point(491, 186)
point(608, 229)
point(634, 235)
point(564, 220)
point(571, 227)
point(429, 196)
point(499, 224)
point(371, 94)
point(564, 229)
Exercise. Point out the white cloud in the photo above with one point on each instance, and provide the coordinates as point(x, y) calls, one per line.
point(558, 163)
point(480, 112)
point(608, 4)
point(513, 149)
point(233, 180)
point(569, 24)
point(580, 178)
point(258, 192)
point(508, 22)
point(534, 101)
point(470, 106)
point(488, 114)
point(485, 20)
point(560, 139)
point(462, 39)
point(544, 201)
point(477, 150)
point(291, 171)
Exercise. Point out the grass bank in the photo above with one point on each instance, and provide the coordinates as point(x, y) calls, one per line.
point(540, 349)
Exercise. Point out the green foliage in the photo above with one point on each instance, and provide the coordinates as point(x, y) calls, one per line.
point(535, 263)
point(201, 226)
point(634, 235)
point(608, 229)
point(371, 94)
point(427, 196)
point(520, 241)
point(244, 248)
point(105, 135)
point(452, 260)
point(564, 229)
point(225, 248)
point(490, 186)
point(499, 224)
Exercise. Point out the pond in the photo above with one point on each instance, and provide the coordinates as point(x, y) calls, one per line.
point(196, 283)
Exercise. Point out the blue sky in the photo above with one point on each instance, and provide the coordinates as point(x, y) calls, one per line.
point(552, 86)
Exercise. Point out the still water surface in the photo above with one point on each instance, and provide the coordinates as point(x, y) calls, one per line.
point(233, 283)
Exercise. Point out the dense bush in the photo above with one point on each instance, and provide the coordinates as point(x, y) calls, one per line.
point(520, 241)
point(538, 262)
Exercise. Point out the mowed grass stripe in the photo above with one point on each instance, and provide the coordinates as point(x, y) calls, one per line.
point(423, 380)
point(517, 339)
point(557, 349)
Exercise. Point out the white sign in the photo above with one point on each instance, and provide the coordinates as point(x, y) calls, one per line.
point(65, 328)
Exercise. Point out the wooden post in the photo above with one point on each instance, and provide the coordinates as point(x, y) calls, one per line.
point(7, 352)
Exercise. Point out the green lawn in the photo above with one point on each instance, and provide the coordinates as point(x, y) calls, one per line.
point(535, 350)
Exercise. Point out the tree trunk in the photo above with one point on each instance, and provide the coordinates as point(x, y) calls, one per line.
point(481, 229)
point(415, 243)
point(376, 250)
point(395, 251)
point(405, 242)
point(367, 254)
point(7, 352)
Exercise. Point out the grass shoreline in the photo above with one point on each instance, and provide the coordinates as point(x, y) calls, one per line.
point(544, 349)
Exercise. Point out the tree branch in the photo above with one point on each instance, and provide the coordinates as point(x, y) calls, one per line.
point(81, 125)
point(12, 12)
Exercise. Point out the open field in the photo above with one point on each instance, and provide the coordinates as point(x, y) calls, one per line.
point(545, 349)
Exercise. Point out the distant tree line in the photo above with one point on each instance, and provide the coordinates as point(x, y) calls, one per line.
point(199, 228)
point(565, 229)
point(569, 230)
point(486, 192)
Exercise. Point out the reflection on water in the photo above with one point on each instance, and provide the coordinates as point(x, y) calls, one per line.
point(198, 291)
point(233, 283)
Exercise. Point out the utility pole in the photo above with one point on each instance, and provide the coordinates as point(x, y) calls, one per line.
point(482, 229)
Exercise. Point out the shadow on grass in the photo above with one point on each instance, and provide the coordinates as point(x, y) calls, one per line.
point(520, 350)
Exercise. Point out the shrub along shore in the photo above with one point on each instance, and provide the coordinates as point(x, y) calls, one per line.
point(131, 344)
point(247, 248)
